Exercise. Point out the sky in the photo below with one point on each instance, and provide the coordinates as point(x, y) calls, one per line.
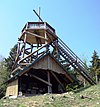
point(77, 23)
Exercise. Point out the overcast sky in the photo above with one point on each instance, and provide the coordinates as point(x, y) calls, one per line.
point(77, 22)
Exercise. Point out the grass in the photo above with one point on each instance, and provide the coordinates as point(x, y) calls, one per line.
point(89, 97)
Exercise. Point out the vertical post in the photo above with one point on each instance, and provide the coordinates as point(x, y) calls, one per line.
point(39, 14)
point(24, 46)
point(46, 37)
point(49, 87)
point(37, 46)
point(31, 52)
point(18, 48)
point(58, 55)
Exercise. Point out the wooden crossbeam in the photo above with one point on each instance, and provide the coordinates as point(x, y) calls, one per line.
point(40, 79)
point(18, 68)
point(38, 36)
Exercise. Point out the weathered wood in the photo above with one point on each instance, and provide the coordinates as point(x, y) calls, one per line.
point(25, 64)
point(32, 53)
point(40, 79)
point(46, 42)
point(12, 89)
point(18, 47)
point(49, 87)
point(49, 36)
point(49, 63)
point(18, 68)
point(38, 36)
point(24, 45)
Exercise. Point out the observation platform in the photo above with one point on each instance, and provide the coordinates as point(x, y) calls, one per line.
point(38, 32)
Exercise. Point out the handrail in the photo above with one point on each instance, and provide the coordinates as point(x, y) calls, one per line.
point(71, 52)
point(83, 71)
point(80, 64)
point(33, 52)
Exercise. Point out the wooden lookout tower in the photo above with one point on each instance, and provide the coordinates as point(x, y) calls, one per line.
point(42, 61)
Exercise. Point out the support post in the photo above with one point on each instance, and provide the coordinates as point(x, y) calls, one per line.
point(46, 42)
point(18, 48)
point(31, 52)
point(49, 87)
point(24, 46)
point(58, 55)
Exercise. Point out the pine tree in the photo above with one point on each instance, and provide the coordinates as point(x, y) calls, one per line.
point(4, 75)
point(5, 69)
point(11, 58)
point(95, 65)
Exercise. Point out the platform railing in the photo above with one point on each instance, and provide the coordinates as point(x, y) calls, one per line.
point(38, 25)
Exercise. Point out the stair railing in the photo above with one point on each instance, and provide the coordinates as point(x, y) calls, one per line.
point(73, 55)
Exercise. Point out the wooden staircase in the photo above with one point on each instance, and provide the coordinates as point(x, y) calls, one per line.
point(72, 59)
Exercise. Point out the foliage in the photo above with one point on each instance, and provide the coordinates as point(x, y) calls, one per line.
point(11, 58)
point(95, 66)
point(5, 69)
point(4, 75)
point(74, 86)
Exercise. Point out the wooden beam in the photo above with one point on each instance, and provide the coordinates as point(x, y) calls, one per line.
point(25, 64)
point(32, 53)
point(49, 87)
point(27, 49)
point(21, 35)
point(38, 36)
point(25, 37)
point(18, 68)
point(17, 57)
point(40, 79)
point(58, 80)
point(18, 47)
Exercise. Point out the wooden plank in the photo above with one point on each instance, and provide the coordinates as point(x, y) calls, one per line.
point(12, 88)
point(40, 79)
